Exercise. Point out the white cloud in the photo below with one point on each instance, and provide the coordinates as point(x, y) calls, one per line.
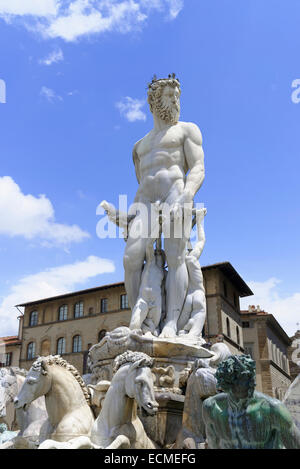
point(54, 57)
point(175, 8)
point(72, 19)
point(50, 282)
point(285, 309)
point(130, 108)
point(40, 8)
point(50, 94)
point(32, 217)
point(72, 93)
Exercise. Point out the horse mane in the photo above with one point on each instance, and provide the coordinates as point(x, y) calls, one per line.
point(132, 357)
point(58, 360)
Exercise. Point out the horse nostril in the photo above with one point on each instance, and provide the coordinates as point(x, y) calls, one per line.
point(150, 405)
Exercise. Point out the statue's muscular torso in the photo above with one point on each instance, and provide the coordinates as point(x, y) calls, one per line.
point(161, 164)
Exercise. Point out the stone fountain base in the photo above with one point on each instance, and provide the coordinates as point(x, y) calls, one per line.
point(173, 361)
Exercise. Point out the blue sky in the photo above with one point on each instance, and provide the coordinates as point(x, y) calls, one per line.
point(76, 74)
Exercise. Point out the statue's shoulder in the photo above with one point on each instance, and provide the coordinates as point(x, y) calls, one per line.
point(268, 403)
point(191, 130)
point(213, 402)
point(140, 142)
point(268, 400)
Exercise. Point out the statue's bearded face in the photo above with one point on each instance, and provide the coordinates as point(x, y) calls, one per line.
point(166, 104)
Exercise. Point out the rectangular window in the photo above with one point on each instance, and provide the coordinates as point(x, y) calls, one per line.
point(33, 318)
point(8, 358)
point(63, 313)
point(78, 313)
point(104, 304)
point(124, 302)
point(246, 324)
point(31, 351)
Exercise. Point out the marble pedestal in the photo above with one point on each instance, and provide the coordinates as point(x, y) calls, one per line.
point(173, 361)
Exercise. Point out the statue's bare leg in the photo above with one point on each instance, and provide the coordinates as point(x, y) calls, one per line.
point(195, 325)
point(176, 283)
point(134, 257)
point(139, 314)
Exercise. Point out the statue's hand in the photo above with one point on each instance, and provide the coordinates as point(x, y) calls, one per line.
point(109, 208)
point(185, 198)
point(176, 212)
point(182, 203)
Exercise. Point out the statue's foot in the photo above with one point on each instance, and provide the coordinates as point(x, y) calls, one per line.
point(168, 331)
point(182, 332)
point(195, 334)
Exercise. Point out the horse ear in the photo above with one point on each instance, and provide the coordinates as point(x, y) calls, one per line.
point(137, 364)
point(44, 367)
point(140, 363)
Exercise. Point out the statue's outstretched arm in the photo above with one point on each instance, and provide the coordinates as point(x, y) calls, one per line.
point(121, 219)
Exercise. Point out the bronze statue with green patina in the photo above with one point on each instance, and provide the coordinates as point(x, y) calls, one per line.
point(241, 418)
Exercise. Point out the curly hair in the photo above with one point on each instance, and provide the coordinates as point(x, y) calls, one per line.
point(156, 88)
point(132, 357)
point(235, 369)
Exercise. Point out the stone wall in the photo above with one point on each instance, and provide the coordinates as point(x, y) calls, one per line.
point(280, 383)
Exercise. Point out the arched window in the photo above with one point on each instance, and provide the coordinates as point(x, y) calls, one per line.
point(228, 327)
point(237, 335)
point(63, 313)
point(78, 309)
point(61, 346)
point(33, 318)
point(101, 335)
point(76, 344)
point(31, 351)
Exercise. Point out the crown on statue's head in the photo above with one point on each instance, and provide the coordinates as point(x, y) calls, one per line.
point(171, 76)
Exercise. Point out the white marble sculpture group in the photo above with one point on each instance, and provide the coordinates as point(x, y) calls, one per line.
point(161, 357)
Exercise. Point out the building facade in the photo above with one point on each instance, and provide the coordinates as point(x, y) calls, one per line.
point(10, 350)
point(224, 287)
point(268, 344)
point(70, 324)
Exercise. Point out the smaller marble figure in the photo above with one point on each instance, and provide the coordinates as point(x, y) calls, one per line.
point(292, 400)
point(192, 318)
point(201, 384)
point(241, 418)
